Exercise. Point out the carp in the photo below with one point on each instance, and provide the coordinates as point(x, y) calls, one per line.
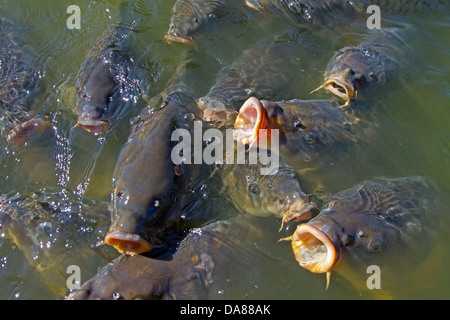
point(277, 193)
point(309, 131)
point(363, 71)
point(102, 82)
point(193, 19)
point(266, 71)
point(19, 121)
point(148, 187)
point(388, 222)
point(189, 273)
point(54, 236)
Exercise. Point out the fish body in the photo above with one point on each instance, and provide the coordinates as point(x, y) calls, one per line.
point(193, 19)
point(384, 222)
point(277, 193)
point(102, 81)
point(363, 71)
point(189, 273)
point(265, 71)
point(148, 187)
point(53, 238)
point(19, 121)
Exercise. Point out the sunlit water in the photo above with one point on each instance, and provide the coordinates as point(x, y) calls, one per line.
point(412, 137)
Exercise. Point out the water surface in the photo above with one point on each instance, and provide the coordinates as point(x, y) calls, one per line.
point(412, 135)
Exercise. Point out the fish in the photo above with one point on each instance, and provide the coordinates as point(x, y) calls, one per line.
point(331, 13)
point(148, 187)
point(19, 88)
point(309, 131)
point(102, 81)
point(193, 19)
point(388, 222)
point(188, 273)
point(53, 236)
point(360, 73)
point(265, 70)
point(277, 193)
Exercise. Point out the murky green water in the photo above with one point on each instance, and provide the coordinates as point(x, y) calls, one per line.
point(413, 137)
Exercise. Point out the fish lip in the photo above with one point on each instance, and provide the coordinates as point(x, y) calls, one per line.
point(333, 84)
point(95, 126)
point(127, 243)
point(299, 209)
point(306, 236)
point(244, 132)
point(179, 39)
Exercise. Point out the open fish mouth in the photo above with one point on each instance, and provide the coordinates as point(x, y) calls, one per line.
point(97, 127)
point(314, 250)
point(252, 117)
point(127, 243)
point(340, 88)
point(179, 39)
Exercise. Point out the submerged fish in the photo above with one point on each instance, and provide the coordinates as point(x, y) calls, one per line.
point(386, 222)
point(199, 262)
point(332, 12)
point(19, 121)
point(359, 72)
point(265, 70)
point(277, 193)
point(148, 187)
point(102, 81)
point(192, 19)
point(53, 238)
point(309, 131)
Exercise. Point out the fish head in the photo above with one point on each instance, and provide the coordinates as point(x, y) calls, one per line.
point(278, 193)
point(193, 19)
point(144, 188)
point(316, 245)
point(97, 100)
point(256, 118)
point(304, 126)
point(350, 72)
point(319, 244)
point(126, 278)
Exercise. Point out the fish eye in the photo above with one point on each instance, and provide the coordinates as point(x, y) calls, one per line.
point(254, 188)
point(195, 19)
point(374, 246)
point(212, 15)
point(119, 194)
point(269, 185)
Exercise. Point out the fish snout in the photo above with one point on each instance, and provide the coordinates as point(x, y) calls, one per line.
point(126, 242)
point(177, 34)
point(314, 249)
point(298, 208)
